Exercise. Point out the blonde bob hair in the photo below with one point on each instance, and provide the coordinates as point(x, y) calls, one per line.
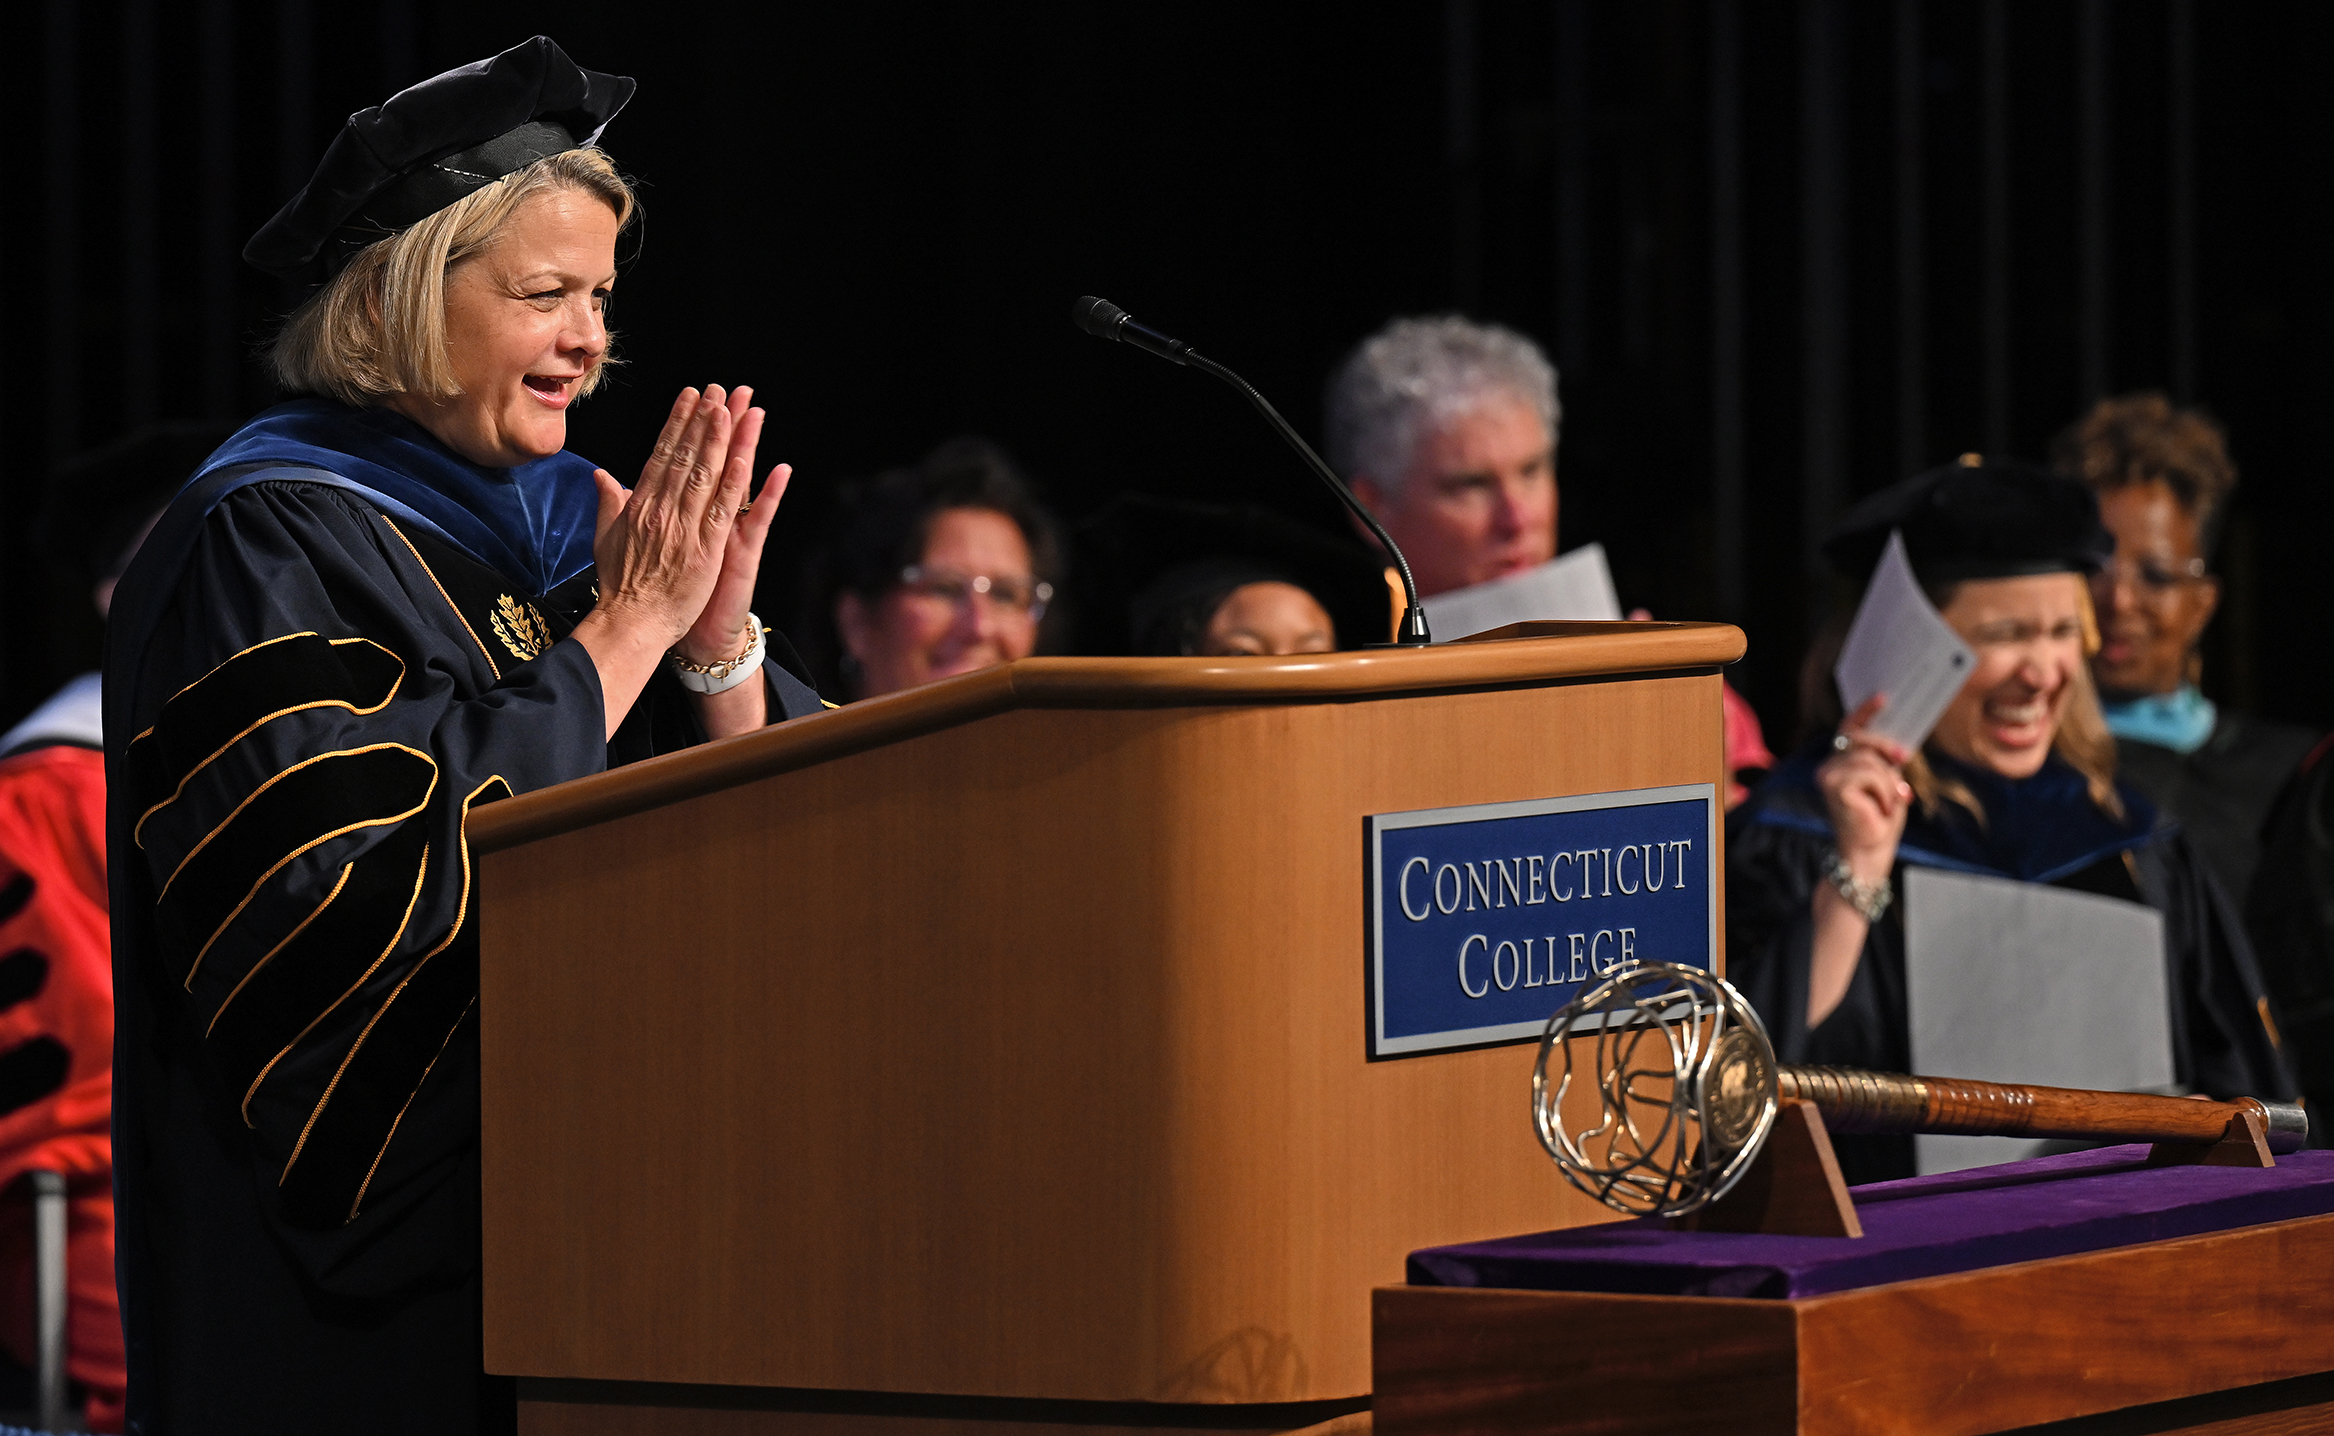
point(379, 326)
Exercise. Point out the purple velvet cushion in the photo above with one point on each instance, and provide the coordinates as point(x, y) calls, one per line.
point(1921, 1226)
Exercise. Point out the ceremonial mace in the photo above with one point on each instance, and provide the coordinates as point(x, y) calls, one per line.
point(1688, 1095)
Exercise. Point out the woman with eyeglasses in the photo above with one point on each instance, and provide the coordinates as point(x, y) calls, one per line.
point(2163, 478)
point(933, 571)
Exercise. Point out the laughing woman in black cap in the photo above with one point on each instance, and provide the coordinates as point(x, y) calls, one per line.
point(2016, 781)
point(377, 607)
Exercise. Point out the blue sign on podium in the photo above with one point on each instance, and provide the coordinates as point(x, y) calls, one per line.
point(1483, 920)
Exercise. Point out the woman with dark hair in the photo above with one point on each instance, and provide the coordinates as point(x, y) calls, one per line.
point(1230, 608)
point(1167, 578)
point(932, 571)
point(2164, 478)
point(2016, 781)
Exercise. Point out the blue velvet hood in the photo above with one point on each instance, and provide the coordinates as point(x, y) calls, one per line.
point(2036, 829)
point(532, 523)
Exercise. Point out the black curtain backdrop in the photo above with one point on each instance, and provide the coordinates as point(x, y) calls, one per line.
point(1780, 252)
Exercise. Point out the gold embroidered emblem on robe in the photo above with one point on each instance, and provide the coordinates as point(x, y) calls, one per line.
point(523, 630)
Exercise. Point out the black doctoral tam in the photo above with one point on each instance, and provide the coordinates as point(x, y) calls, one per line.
point(430, 145)
point(1976, 518)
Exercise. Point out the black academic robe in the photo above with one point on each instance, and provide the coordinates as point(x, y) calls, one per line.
point(2291, 914)
point(318, 695)
point(2221, 793)
point(2046, 829)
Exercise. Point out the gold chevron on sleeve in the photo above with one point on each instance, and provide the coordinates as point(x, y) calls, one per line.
point(361, 705)
point(454, 930)
point(263, 643)
point(358, 1201)
point(306, 844)
point(269, 956)
point(420, 876)
point(301, 766)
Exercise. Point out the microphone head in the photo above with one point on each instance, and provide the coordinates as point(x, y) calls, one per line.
point(1098, 317)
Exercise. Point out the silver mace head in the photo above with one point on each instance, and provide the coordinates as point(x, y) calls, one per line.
point(1682, 1078)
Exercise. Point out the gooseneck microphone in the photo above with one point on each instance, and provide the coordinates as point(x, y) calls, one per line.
point(1105, 320)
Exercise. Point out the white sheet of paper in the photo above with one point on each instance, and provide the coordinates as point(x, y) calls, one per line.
point(1899, 645)
point(2021, 982)
point(1575, 585)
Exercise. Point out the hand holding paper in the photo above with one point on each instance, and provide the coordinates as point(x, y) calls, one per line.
point(1865, 794)
point(1901, 647)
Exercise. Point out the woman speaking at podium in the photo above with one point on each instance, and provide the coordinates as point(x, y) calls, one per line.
point(2016, 781)
point(378, 606)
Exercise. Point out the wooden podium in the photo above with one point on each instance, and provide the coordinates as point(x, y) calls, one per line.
point(993, 1053)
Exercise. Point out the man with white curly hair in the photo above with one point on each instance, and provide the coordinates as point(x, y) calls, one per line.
point(1446, 429)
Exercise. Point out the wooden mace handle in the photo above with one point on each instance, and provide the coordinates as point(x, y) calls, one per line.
point(1853, 1101)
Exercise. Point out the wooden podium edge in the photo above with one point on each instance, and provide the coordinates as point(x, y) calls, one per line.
point(570, 1407)
point(1962, 1354)
point(1580, 650)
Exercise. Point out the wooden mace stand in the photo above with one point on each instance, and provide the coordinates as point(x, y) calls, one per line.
point(1793, 1187)
point(2230, 1333)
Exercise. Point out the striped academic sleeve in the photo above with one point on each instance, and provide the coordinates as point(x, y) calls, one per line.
point(319, 721)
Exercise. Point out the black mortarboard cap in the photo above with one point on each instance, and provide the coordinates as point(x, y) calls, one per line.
point(430, 145)
point(1976, 518)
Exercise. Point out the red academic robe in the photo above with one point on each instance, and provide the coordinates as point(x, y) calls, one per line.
point(56, 1055)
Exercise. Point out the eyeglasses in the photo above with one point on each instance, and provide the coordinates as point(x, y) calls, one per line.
point(1018, 596)
point(2149, 576)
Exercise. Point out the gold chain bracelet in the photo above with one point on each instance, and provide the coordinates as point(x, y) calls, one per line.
point(723, 668)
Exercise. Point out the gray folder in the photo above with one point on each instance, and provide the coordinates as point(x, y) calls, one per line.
point(2021, 982)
